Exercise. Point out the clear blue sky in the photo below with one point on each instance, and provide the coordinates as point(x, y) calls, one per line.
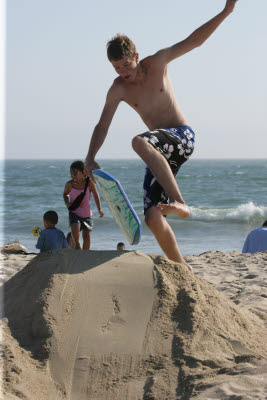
point(57, 75)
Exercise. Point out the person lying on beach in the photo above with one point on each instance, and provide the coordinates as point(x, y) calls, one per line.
point(77, 195)
point(51, 238)
point(256, 240)
point(145, 85)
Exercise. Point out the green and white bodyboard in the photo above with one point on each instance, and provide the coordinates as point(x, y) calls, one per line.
point(119, 205)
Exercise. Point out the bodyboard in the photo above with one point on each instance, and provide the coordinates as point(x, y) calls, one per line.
point(119, 205)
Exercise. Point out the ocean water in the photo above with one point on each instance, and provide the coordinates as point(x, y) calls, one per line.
point(227, 198)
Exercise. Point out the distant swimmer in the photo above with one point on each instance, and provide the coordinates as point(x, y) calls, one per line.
point(146, 87)
point(121, 246)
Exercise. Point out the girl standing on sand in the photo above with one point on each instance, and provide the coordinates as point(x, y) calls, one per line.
point(77, 195)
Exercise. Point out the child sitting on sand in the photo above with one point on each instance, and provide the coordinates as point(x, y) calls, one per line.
point(51, 238)
point(77, 195)
point(70, 241)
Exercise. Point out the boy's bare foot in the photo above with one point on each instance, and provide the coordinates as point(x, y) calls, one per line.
point(174, 208)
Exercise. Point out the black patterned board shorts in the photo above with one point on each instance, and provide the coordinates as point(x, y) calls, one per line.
point(176, 145)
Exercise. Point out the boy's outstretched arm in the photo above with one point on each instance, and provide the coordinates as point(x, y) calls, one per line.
point(101, 129)
point(198, 37)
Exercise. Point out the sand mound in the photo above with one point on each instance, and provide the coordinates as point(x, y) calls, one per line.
point(111, 325)
point(10, 264)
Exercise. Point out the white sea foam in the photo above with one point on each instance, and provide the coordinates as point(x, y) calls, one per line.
point(243, 212)
point(246, 211)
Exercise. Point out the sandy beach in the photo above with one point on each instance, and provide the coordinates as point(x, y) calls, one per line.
point(125, 325)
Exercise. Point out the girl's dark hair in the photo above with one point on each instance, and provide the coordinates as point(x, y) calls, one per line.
point(79, 165)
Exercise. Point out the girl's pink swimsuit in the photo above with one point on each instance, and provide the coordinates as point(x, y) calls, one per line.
point(84, 210)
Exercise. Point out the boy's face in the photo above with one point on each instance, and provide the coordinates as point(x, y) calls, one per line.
point(126, 67)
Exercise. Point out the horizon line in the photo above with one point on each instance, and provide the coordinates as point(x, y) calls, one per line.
point(127, 159)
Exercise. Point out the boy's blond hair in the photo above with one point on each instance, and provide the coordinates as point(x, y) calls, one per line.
point(120, 46)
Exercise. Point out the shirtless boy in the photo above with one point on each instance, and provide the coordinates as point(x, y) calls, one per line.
point(145, 85)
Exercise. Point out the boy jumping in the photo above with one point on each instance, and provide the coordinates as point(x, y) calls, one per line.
point(145, 85)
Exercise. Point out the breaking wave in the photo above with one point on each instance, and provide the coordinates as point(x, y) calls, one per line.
point(242, 213)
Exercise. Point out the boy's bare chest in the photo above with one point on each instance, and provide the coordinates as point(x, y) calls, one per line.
point(154, 88)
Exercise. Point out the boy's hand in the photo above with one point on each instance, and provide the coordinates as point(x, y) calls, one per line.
point(89, 166)
point(230, 5)
point(101, 214)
